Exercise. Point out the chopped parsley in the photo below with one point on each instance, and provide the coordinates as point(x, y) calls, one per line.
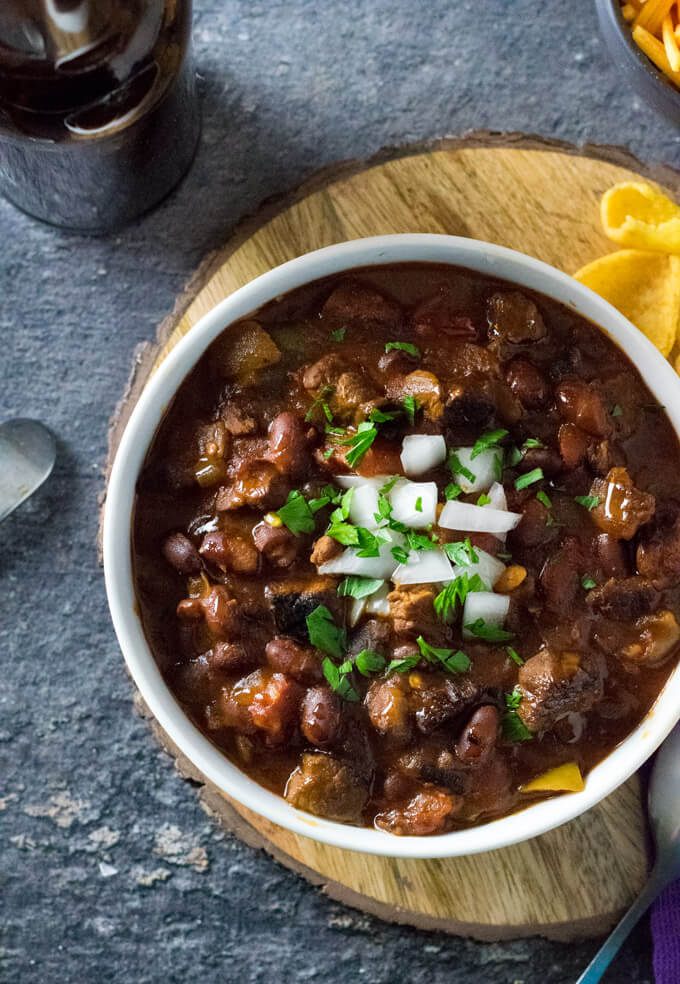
point(356, 586)
point(513, 457)
point(296, 514)
point(487, 441)
point(457, 468)
point(533, 442)
point(514, 729)
point(490, 633)
point(411, 406)
point(514, 655)
point(404, 665)
point(368, 661)
point(369, 543)
point(498, 467)
point(589, 501)
point(399, 554)
point(418, 541)
point(535, 475)
point(325, 634)
point(344, 533)
point(452, 491)
point(419, 504)
point(403, 347)
point(389, 485)
point(338, 335)
point(454, 662)
point(587, 582)
point(543, 498)
point(380, 417)
point(617, 411)
point(454, 592)
point(338, 678)
point(483, 500)
point(360, 442)
point(463, 554)
point(320, 401)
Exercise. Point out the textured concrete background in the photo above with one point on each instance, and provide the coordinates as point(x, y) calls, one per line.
point(110, 871)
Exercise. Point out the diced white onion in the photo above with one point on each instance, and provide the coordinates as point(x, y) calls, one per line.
point(477, 519)
point(351, 481)
point(483, 467)
point(498, 501)
point(373, 604)
point(382, 566)
point(492, 608)
point(364, 506)
point(404, 497)
point(424, 567)
point(488, 567)
point(421, 452)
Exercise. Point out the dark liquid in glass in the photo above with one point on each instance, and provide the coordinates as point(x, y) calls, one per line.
point(98, 114)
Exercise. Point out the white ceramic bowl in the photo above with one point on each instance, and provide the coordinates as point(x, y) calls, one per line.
point(489, 259)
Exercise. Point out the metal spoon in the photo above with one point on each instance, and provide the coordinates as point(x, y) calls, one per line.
point(27, 455)
point(664, 814)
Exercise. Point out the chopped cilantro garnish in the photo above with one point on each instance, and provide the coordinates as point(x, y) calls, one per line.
point(514, 655)
point(454, 662)
point(389, 485)
point(498, 467)
point(404, 665)
point(487, 441)
point(533, 442)
point(368, 661)
point(411, 406)
point(617, 411)
point(490, 633)
point(587, 582)
point(324, 633)
point(296, 514)
point(535, 475)
point(344, 533)
point(418, 541)
point(336, 431)
point(514, 728)
point(419, 504)
point(369, 543)
point(463, 554)
point(403, 347)
point(358, 587)
point(360, 442)
point(320, 401)
point(400, 554)
point(483, 500)
point(589, 501)
point(338, 335)
point(338, 678)
point(452, 491)
point(504, 556)
point(454, 592)
point(542, 497)
point(457, 468)
point(513, 457)
point(327, 453)
point(379, 416)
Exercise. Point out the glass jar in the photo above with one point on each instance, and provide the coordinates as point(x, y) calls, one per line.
point(98, 109)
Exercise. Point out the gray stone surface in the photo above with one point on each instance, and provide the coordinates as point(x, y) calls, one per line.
point(110, 870)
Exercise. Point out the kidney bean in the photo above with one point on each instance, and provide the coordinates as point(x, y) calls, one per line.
point(180, 552)
point(288, 444)
point(582, 404)
point(528, 383)
point(479, 736)
point(321, 716)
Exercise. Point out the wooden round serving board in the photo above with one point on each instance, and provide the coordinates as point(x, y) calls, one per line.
point(541, 198)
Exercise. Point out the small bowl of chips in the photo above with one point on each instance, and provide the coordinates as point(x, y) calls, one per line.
point(644, 40)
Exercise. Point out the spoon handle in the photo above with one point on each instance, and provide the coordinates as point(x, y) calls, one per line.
point(604, 956)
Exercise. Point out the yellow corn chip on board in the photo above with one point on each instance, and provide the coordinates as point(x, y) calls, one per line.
point(565, 778)
point(644, 286)
point(640, 216)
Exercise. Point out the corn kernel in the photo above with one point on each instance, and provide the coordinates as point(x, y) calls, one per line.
point(273, 520)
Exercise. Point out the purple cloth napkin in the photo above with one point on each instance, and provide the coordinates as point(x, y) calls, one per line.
point(666, 935)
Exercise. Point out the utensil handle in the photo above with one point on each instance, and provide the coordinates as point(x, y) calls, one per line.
point(604, 956)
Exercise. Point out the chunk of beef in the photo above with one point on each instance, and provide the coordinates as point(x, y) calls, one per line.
point(374, 633)
point(423, 386)
point(237, 421)
point(354, 397)
point(412, 610)
point(230, 657)
point(352, 303)
point(554, 684)
point(479, 736)
point(626, 598)
point(181, 554)
point(513, 317)
point(534, 528)
point(559, 578)
point(429, 762)
point(547, 459)
point(274, 709)
point(573, 444)
point(325, 549)
point(441, 315)
point(288, 445)
point(492, 793)
point(285, 655)
point(276, 543)
point(657, 636)
point(291, 601)
point(257, 483)
point(440, 700)
point(327, 787)
point(219, 609)
point(324, 372)
point(427, 812)
point(321, 716)
point(602, 456)
point(226, 711)
point(612, 556)
point(658, 552)
point(230, 553)
point(528, 383)
point(387, 705)
point(622, 509)
point(582, 404)
point(468, 412)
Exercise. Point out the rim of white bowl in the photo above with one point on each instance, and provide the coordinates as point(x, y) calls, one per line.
point(495, 261)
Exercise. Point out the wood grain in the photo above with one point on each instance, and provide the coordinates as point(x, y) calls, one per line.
point(543, 200)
